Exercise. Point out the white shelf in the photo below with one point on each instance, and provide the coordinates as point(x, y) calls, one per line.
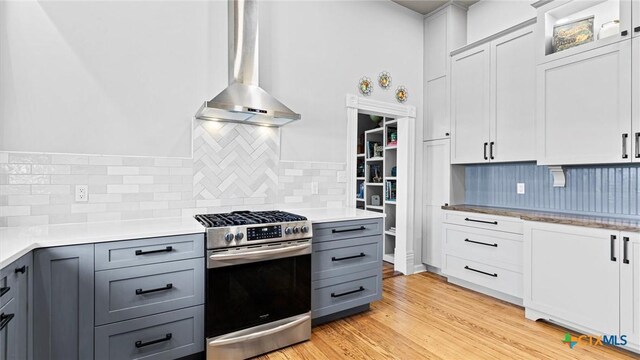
point(390, 122)
point(391, 147)
point(360, 155)
point(375, 159)
point(374, 131)
point(359, 199)
point(360, 178)
point(390, 178)
point(375, 207)
point(373, 184)
point(390, 202)
point(390, 258)
point(392, 233)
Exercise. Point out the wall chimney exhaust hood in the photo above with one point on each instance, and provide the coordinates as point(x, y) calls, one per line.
point(243, 101)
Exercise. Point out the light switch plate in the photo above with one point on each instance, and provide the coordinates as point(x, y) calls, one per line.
point(520, 189)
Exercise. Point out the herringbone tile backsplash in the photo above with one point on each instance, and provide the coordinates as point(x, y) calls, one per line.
point(234, 167)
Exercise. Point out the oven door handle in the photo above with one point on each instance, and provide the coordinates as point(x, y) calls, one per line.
point(254, 255)
point(257, 335)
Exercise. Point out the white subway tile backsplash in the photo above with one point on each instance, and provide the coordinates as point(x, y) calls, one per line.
point(236, 167)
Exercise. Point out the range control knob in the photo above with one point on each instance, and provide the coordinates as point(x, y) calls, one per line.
point(296, 230)
point(304, 229)
point(229, 237)
point(288, 231)
point(239, 236)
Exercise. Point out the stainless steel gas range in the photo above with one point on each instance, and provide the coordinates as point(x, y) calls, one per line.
point(258, 282)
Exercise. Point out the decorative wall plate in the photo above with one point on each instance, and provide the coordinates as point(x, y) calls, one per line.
point(401, 94)
point(365, 86)
point(384, 80)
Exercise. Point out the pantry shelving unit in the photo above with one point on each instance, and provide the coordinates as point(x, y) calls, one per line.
point(380, 171)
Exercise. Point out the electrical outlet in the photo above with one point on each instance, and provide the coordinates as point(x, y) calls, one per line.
point(314, 188)
point(82, 193)
point(520, 188)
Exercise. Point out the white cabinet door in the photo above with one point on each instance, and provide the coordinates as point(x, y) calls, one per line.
point(635, 101)
point(436, 183)
point(584, 107)
point(630, 288)
point(436, 55)
point(513, 86)
point(470, 94)
point(635, 18)
point(436, 103)
point(572, 275)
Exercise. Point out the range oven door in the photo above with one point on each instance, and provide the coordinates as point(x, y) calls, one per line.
point(258, 292)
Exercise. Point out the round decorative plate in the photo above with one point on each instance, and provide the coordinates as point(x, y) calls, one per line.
point(365, 86)
point(384, 80)
point(401, 94)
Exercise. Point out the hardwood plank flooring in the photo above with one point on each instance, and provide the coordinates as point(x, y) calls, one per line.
point(388, 272)
point(421, 316)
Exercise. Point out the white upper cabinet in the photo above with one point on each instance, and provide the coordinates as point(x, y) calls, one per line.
point(513, 87)
point(584, 107)
point(635, 100)
point(470, 96)
point(435, 37)
point(493, 100)
point(635, 18)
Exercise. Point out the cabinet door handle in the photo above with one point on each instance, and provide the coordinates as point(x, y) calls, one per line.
point(482, 221)
point(491, 150)
point(481, 272)
point(485, 151)
point(624, 33)
point(4, 290)
point(334, 231)
point(348, 257)
point(5, 320)
point(21, 269)
point(613, 248)
point(480, 243)
point(169, 286)
point(624, 146)
point(625, 250)
point(167, 337)
point(167, 249)
point(637, 137)
point(636, 29)
point(334, 295)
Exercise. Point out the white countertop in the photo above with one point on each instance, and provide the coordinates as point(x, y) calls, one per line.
point(18, 241)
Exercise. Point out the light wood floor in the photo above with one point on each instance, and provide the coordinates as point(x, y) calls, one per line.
point(421, 316)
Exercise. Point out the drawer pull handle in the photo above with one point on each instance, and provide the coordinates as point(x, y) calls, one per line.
point(348, 257)
point(625, 250)
point(482, 221)
point(334, 295)
point(5, 320)
point(166, 287)
point(140, 344)
point(480, 271)
point(167, 249)
point(334, 231)
point(4, 290)
point(481, 243)
point(613, 248)
point(21, 270)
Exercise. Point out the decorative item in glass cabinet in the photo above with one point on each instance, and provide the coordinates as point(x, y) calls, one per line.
point(572, 34)
point(361, 191)
point(384, 80)
point(376, 119)
point(375, 200)
point(378, 150)
point(401, 94)
point(365, 86)
point(392, 136)
point(610, 28)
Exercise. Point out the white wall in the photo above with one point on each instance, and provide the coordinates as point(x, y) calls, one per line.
point(488, 17)
point(125, 78)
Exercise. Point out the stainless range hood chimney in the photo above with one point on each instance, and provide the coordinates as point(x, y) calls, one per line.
point(243, 101)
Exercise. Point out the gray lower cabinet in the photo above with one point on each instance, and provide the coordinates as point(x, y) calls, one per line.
point(169, 335)
point(63, 298)
point(346, 267)
point(15, 299)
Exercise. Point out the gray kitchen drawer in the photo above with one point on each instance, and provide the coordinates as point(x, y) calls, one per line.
point(178, 333)
point(179, 284)
point(360, 288)
point(7, 286)
point(346, 229)
point(336, 258)
point(119, 254)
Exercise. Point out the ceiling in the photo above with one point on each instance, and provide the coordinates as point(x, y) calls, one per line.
point(426, 6)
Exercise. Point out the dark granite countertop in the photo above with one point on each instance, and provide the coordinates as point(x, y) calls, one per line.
point(601, 222)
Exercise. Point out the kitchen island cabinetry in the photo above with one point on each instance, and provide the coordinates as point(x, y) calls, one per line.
point(347, 268)
point(15, 301)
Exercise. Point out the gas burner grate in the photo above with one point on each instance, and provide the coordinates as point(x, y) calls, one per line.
point(247, 218)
